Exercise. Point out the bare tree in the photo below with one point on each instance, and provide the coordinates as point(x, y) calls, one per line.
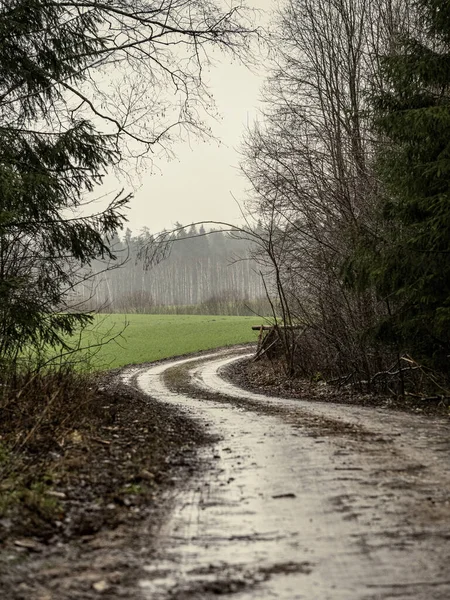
point(310, 166)
point(136, 70)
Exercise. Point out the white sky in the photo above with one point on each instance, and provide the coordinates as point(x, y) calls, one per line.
point(199, 183)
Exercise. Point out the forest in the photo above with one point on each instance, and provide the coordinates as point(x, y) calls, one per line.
point(347, 215)
point(188, 271)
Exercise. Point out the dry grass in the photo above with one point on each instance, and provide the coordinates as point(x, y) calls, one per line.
point(40, 412)
point(79, 454)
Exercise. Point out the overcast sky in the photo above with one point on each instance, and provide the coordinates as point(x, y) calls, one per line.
point(200, 182)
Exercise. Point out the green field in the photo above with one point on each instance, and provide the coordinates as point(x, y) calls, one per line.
point(144, 338)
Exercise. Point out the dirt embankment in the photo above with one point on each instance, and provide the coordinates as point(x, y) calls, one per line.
point(266, 377)
point(78, 519)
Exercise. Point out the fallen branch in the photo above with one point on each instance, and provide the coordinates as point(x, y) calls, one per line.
point(260, 353)
point(392, 373)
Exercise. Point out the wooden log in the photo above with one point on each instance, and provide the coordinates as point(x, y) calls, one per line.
point(263, 350)
point(269, 327)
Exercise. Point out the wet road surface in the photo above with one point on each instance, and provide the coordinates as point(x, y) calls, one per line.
point(300, 499)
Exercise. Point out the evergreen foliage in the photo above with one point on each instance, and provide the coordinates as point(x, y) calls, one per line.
point(48, 159)
point(409, 262)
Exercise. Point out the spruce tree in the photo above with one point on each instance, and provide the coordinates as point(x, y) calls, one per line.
point(410, 266)
point(49, 159)
point(62, 126)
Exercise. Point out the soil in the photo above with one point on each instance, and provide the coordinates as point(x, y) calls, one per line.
point(115, 486)
point(266, 377)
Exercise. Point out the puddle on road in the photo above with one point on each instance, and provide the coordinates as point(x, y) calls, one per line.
point(278, 513)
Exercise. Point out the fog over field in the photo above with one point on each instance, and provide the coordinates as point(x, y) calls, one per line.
point(195, 271)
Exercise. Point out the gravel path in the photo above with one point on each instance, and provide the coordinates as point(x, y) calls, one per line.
point(301, 499)
point(192, 488)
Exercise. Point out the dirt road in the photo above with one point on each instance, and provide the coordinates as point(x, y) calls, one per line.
point(300, 499)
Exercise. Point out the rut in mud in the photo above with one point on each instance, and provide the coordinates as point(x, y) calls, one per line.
point(300, 499)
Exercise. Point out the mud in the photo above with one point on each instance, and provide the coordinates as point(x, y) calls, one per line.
point(300, 499)
point(114, 483)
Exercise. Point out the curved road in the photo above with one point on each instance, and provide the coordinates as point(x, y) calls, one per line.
point(300, 499)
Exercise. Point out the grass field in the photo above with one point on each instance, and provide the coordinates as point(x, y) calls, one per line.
point(144, 338)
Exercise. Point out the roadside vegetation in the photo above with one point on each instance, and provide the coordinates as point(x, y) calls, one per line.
point(62, 130)
point(349, 168)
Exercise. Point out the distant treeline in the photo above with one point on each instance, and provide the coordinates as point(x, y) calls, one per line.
point(190, 271)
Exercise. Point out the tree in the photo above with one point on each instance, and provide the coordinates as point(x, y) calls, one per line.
point(310, 166)
point(196, 270)
point(44, 171)
point(61, 127)
point(409, 261)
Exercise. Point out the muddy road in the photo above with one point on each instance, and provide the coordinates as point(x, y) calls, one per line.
point(300, 499)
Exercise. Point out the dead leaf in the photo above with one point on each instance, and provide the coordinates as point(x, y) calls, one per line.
point(100, 586)
point(29, 544)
